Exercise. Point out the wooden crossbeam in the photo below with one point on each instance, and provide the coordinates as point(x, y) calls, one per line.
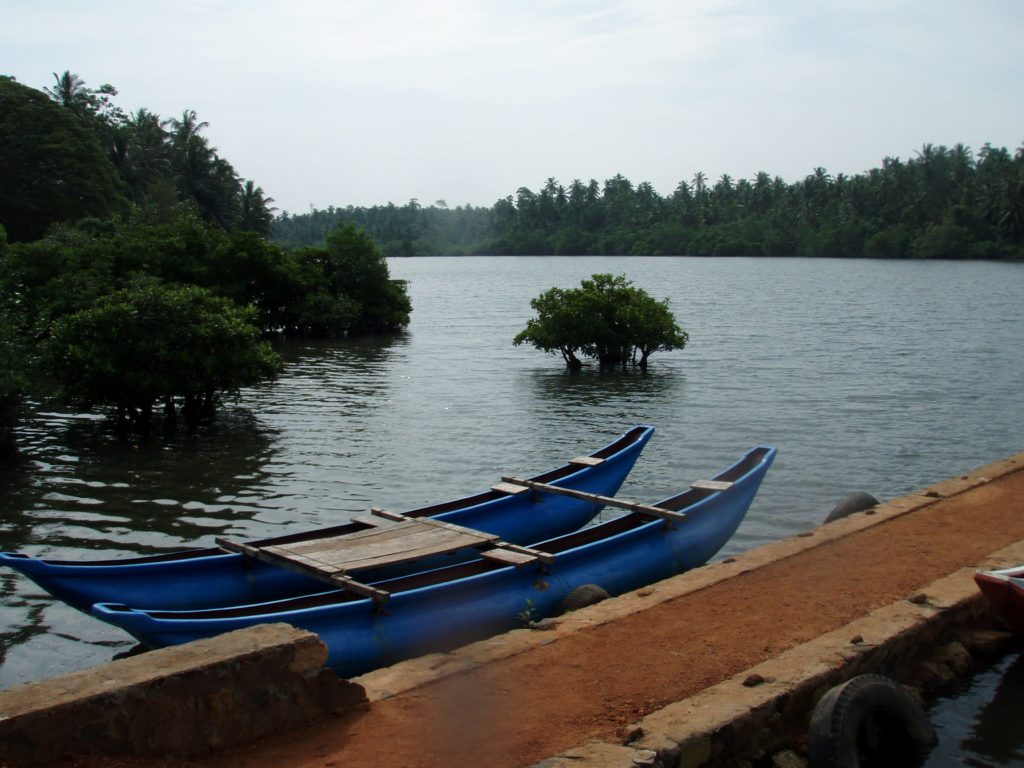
point(236, 546)
point(509, 488)
point(380, 596)
point(396, 516)
point(513, 554)
point(711, 485)
point(544, 557)
point(507, 557)
point(586, 461)
point(608, 501)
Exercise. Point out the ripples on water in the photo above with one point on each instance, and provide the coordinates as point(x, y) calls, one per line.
point(869, 375)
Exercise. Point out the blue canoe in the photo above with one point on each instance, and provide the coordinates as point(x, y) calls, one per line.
point(213, 577)
point(443, 608)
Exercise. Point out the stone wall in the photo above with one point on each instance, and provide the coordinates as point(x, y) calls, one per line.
point(177, 701)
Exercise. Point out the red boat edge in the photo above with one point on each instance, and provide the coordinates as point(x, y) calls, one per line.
point(1004, 590)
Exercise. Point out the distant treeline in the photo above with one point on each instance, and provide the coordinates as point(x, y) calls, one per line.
point(943, 203)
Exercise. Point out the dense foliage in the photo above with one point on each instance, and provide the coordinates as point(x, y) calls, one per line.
point(71, 153)
point(138, 275)
point(943, 203)
point(166, 289)
point(52, 167)
point(607, 318)
point(153, 343)
point(13, 360)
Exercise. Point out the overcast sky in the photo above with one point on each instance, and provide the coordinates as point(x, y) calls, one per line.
point(361, 102)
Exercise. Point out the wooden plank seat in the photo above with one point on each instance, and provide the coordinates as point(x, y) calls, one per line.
point(608, 501)
point(510, 488)
point(711, 485)
point(332, 559)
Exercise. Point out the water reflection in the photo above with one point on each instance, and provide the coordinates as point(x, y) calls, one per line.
point(590, 387)
point(285, 452)
point(370, 350)
point(980, 725)
point(85, 489)
point(997, 733)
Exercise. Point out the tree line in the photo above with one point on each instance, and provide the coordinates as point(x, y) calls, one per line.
point(134, 270)
point(941, 203)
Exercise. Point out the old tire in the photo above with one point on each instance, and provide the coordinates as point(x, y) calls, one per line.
point(581, 597)
point(868, 721)
point(855, 502)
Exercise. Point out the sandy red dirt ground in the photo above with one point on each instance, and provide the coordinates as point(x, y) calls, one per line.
point(594, 683)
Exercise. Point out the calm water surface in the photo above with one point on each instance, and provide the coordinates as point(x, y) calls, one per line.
point(868, 375)
point(981, 726)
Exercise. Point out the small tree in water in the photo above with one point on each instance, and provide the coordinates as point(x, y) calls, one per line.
point(152, 345)
point(607, 318)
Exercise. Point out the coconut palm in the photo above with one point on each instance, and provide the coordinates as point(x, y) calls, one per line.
point(200, 175)
point(68, 90)
point(256, 214)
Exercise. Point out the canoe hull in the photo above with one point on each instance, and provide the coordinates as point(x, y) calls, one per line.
point(420, 620)
point(207, 578)
point(1005, 593)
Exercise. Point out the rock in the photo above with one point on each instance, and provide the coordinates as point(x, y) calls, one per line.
point(787, 758)
point(918, 695)
point(987, 642)
point(955, 656)
point(934, 676)
point(855, 502)
point(644, 758)
point(544, 625)
point(632, 733)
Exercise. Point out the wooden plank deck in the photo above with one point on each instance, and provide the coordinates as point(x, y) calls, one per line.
point(386, 545)
point(332, 559)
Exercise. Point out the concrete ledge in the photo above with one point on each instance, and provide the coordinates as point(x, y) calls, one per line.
point(407, 675)
point(179, 701)
point(766, 707)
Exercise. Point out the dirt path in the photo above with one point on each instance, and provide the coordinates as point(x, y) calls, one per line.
point(592, 684)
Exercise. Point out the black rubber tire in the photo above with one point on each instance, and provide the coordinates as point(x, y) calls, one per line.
point(581, 597)
point(869, 720)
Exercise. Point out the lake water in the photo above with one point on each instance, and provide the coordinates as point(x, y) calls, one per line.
point(868, 375)
point(980, 726)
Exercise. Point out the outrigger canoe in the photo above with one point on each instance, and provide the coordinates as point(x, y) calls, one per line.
point(213, 577)
point(446, 607)
point(1004, 590)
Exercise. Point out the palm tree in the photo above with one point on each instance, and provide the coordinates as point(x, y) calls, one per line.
point(700, 188)
point(69, 89)
point(762, 191)
point(140, 153)
point(186, 130)
point(700, 183)
point(256, 214)
point(200, 175)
